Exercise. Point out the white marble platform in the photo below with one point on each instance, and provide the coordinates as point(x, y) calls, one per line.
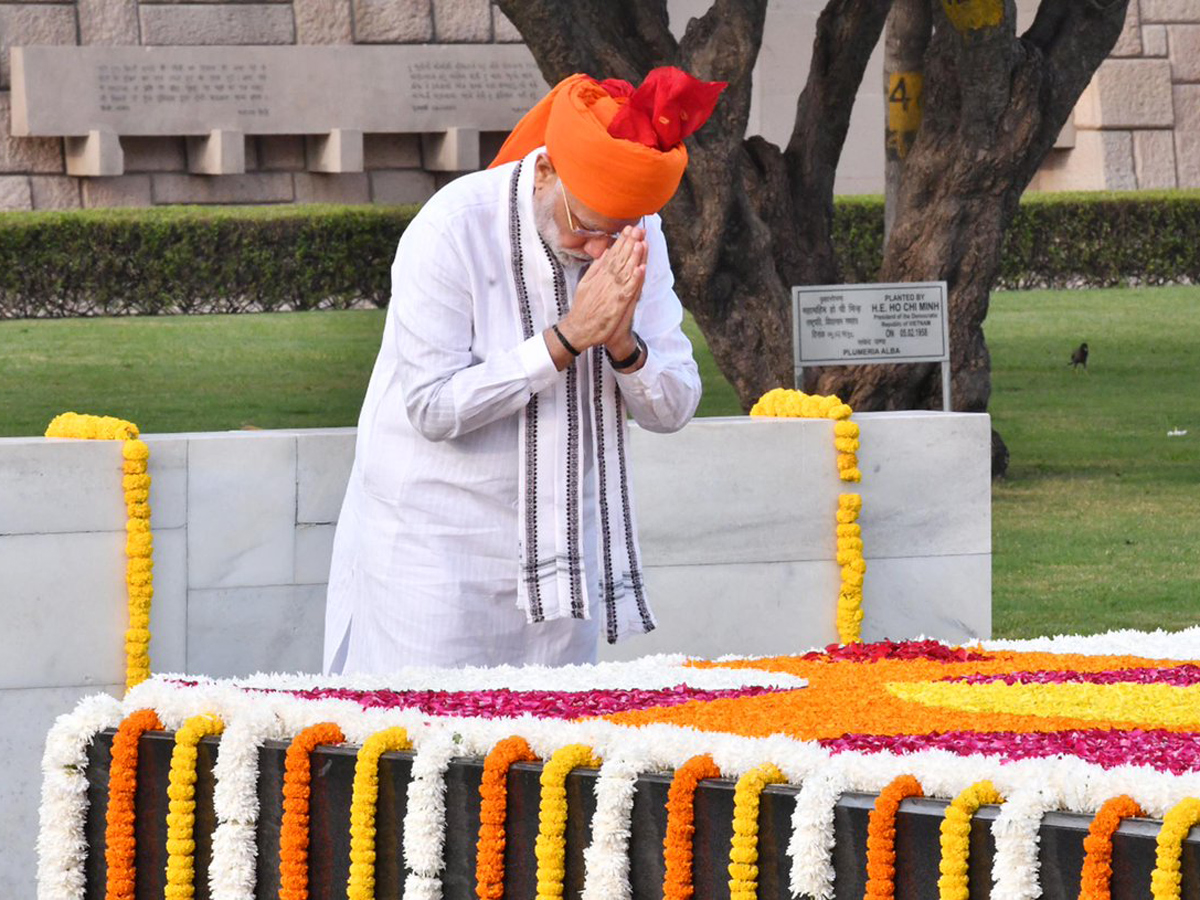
point(737, 536)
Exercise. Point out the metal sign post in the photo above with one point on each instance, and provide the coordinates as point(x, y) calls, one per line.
point(861, 324)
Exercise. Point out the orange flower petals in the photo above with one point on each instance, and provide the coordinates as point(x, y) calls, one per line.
point(881, 837)
point(493, 811)
point(681, 827)
point(293, 830)
point(120, 842)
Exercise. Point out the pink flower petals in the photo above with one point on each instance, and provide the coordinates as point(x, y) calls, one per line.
point(1182, 675)
point(866, 653)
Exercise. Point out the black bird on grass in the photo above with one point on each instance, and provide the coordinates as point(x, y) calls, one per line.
point(1079, 357)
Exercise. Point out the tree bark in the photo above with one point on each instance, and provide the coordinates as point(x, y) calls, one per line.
point(906, 37)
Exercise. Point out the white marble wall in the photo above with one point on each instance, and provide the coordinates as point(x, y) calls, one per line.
point(736, 520)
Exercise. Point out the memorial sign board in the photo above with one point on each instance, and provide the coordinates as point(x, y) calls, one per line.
point(856, 324)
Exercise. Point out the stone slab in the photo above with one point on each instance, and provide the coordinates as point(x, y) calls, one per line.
point(278, 629)
point(391, 151)
point(1129, 41)
point(121, 190)
point(27, 24)
point(168, 481)
point(504, 31)
point(744, 609)
point(943, 597)
point(393, 21)
point(283, 90)
point(1154, 40)
point(178, 25)
point(323, 22)
point(154, 154)
point(168, 610)
point(55, 192)
point(323, 461)
point(252, 187)
point(1154, 159)
point(314, 551)
point(53, 579)
point(52, 485)
point(26, 154)
point(109, 22)
point(1169, 11)
point(241, 510)
point(353, 187)
point(1184, 43)
point(29, 713)
point(1127, 93)
point(283, 152)
point(402, 186)
point(1187, 155)
point(15, 192)
point(1100, 160)
point(462, 21)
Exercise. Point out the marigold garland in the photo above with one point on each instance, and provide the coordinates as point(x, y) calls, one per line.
point(363, 799)
point(181, 815)
point(955, 840)
point(293, 829)
point(139, 548)
point(120, 841)
point(743, 850)
point(1166, 879)
point(678, 882)
point(881, 837)
point(493, 811)
point(784, 403)
point(1095, 880)
point(551, 847)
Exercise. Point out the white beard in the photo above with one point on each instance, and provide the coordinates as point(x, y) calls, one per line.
point(543, 217)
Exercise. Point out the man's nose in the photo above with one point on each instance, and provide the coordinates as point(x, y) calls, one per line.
point(596, 247)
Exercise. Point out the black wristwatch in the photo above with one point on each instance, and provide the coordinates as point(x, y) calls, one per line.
point(639, 347)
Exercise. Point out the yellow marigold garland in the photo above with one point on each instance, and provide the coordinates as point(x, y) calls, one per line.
point(363, 799)
point(551, 846)
point(956, 834)
point(743, 851)
point(784, 403)
point(181, 815)
point(1166, 880)
point(139, 546)
point(881, 837)
point(1095, 881)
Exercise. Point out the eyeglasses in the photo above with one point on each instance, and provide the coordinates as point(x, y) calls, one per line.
point(587, 233)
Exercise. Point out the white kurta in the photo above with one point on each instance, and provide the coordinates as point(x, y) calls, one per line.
point(425, 558)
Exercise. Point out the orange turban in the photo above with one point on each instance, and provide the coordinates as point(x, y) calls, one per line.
point(619, 150)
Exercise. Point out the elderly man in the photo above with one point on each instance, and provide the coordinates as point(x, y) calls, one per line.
point(489, 516)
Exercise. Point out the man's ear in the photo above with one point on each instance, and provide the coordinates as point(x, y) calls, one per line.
point(543, 172)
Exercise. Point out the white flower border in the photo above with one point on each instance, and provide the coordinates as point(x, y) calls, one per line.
point(1030, 787)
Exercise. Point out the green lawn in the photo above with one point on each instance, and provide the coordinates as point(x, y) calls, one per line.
point(1096, 526)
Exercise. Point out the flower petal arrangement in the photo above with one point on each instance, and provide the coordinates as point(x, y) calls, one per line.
point(1085, 725)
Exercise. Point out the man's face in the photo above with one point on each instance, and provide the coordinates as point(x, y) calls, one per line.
point(576, 233)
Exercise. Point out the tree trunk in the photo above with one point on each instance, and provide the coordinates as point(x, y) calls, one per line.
point(750, 221)
point(905, 39)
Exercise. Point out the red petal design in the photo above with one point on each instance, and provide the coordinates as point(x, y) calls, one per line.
point(667, 107)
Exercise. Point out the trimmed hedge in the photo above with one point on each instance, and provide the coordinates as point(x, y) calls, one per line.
point(239, 259)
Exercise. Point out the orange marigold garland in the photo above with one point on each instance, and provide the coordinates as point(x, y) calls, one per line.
point(120, 841)
point(681, 827)
point(881, 837)
point(1096, 879)
point(293, 829)
point(493, 811)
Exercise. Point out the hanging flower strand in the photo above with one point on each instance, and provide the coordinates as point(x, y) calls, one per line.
point(363, 800)
point(493, 812)
point(1095, 881)
point(120, 839)
point(955, 839)
point(679, 879)
point(881, 837)
point(181, 816)
point(853, 569)
point(551, 846)
point(293, 829)
point(1167, 879)
point(743, 851)
point(139, 547)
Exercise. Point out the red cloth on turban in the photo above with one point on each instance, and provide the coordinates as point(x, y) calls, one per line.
point(618, 149)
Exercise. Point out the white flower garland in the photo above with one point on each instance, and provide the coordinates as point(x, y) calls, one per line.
point(607, 859)
point(425, 817)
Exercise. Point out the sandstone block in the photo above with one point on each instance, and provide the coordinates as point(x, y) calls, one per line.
point(1187, 156)
point(393, 21)
point(23, 24)
point(1154, 159)
point(279, 152)
point(1187, 107)
point(154, 154)
point(504, 30)
point(343, 188)
point(462, 21)
point(1129, 42)
point(404, 186)
point(1100, 160)
point(26, 154)
point(249, 23)
point(110, 22)
point(54, 192)
point(1127, 93)
point(391, 151)
point(1154, 40)
point(323, 22)
point(123, 190)
point(15, 192)
point(1184, 41)
point(1169, 11)
point(257, 187)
